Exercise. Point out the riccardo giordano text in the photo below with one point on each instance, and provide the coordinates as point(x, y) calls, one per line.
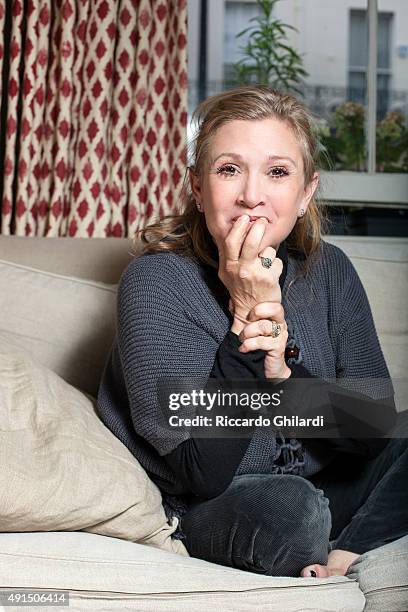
point(260, 421)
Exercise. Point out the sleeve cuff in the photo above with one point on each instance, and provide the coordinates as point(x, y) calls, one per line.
point(229, 363)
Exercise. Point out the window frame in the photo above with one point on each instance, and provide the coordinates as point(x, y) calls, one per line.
point(370, 188)
point(351, 188)
point(378, 190)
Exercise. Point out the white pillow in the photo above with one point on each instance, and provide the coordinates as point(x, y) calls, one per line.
point(65, 323)
point(63, 470)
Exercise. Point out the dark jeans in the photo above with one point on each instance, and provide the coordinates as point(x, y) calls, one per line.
point(278, 524)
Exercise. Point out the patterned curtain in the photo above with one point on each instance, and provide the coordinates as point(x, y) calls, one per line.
point(94, 114)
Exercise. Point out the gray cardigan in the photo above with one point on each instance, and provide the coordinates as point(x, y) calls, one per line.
point(170, 324)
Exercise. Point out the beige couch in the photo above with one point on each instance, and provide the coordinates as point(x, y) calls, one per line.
point(57, 299)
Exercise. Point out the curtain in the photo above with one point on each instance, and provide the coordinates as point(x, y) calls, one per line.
point(94, 115)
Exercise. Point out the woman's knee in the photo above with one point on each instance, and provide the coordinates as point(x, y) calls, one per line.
point(292, 500)
point(293, 520)
point(398, 446)
point(270, 524)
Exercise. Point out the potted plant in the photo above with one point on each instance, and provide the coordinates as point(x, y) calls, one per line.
point(349, 120)
point(268, 58)
point(392, 143)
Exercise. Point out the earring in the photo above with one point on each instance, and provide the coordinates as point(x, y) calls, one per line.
point(198, 206)
point(301, 212)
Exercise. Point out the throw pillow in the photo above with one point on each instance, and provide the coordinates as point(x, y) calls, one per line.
point(63, 470)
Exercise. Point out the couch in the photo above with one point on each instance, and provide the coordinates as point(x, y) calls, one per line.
point(57, 299)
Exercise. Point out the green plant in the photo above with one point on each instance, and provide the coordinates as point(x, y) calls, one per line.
point(268, 58)
point(392, 143)
point(349, 119)
point(328, 145)
point(343, 146)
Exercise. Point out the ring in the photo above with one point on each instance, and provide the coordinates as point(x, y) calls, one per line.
point(266, 262)
point(276, 329)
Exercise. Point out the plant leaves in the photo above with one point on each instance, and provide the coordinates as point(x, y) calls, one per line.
point(268, 56)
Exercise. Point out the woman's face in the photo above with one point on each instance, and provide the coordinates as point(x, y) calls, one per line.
point(254, 168)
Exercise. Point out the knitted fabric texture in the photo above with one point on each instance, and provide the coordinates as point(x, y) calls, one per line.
point(170, 324)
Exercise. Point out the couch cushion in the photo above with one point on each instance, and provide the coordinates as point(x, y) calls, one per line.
point(383, 577)
point(62, 469)
point(97, 259)
point(383, 279)
point(382, 265)
point(65, 323)
point(108, 574)
point(383, 269)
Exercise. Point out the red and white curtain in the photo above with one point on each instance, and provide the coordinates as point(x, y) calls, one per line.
point(95, 126)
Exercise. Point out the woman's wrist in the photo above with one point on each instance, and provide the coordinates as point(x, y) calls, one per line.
point(282, 375)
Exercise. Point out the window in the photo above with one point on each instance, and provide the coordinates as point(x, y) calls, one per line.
point(358, 60)
point(369, 172)
point(237, 18)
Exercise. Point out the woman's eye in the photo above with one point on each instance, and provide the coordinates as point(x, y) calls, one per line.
point(228, 170)
point(279, 172)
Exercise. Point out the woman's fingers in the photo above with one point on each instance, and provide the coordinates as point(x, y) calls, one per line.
point(243, 243)
point(264, 327)
point(233, 242)
point(240, 268)
point(265, 343)
point(250, 248)
point(270, 253)
point(267, 310)
point(257, 336)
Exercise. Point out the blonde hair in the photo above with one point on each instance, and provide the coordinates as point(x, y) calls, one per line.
point(187, 233)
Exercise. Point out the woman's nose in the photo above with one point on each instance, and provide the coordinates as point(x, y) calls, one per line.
point(251, 195)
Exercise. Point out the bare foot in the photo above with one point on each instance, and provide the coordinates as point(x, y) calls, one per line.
point(338, 563)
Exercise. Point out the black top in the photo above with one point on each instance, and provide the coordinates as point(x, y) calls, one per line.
point(208, 465)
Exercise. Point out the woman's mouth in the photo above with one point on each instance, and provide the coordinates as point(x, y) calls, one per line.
point(252, 218)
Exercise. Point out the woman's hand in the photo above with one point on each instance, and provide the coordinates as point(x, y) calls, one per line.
point(256, 335)
point(241, 270)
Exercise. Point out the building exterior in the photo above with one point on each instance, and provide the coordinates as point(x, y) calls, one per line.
point(331, 37)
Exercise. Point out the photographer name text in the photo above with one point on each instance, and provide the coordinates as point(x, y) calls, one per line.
point(259, 421)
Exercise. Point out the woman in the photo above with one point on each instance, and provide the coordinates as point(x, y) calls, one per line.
point(240, 285)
